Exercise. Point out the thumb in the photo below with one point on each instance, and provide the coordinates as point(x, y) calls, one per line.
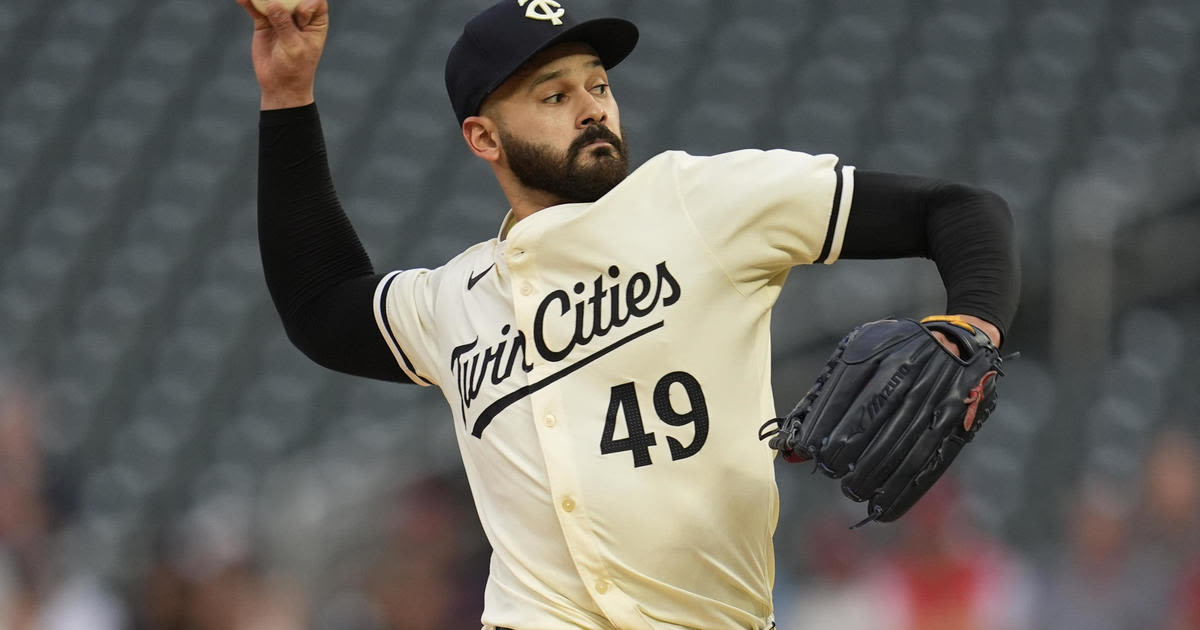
point(311, 13)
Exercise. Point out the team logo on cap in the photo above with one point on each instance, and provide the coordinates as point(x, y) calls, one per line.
point(544, 10)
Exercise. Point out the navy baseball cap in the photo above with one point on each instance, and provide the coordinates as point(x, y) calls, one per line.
point(497, 42)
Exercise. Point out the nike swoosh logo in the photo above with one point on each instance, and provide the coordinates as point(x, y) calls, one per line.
point(473, 280)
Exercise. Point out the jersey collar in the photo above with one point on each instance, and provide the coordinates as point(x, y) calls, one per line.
point(506, 225)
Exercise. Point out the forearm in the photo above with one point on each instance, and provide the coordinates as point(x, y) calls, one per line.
point(971, 239)
point(966, 231)
point(317, 271)
point(307, 242)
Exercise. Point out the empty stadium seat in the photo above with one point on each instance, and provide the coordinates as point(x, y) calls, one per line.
point(994, 12)
point(688, 18)
point(1168, 29)
point(1031, 121)
point(1016, 171)
point(889, 16)
point(1043, 75)
point(1064, 35)
point(834, 81)
point(957, 34)
point(945, 80)
point(865, 42)
point(924, 121)
point(1153, 75)
point(710, 128)
point(814, 127)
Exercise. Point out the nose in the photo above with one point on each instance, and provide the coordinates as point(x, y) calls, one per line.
point(593, 113)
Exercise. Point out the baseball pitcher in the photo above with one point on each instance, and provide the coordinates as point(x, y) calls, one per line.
point(606, 357)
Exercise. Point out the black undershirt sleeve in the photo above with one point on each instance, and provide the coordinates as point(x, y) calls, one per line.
point(322, 281)
point(966, 231)
point(319, 276)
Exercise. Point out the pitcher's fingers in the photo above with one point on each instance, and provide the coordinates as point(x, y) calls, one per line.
point(281, 21)
point(308, 10)
point(260, 21)
point(949, 345)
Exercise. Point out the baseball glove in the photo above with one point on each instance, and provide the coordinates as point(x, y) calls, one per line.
point(891, 410)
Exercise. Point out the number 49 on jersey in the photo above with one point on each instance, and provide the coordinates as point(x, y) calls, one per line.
point(624, 402)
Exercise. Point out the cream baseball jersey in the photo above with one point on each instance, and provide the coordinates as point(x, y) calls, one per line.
point(608, 367)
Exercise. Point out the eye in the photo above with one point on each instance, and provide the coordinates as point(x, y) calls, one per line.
point(600, 90)
point(553, 98)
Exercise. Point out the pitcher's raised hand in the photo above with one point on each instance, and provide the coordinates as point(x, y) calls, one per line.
point(286, 50)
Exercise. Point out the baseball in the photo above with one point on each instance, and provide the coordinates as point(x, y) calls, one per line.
point(290, 5)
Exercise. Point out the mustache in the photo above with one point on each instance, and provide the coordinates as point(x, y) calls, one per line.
point(592, 134)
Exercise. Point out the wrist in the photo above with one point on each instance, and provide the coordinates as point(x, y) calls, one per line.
point(987, 327)
point(285, 100)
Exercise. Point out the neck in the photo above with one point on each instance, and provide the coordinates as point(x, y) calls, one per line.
point(526, 204)
point(524, 200)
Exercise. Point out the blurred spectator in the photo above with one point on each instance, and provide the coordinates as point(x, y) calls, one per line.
point(1185, 613)
point(161, 597)
point(1125, 569)
point(23, 517)
point(834, 588)
point(240, 597)
point(1172, 493)
point(1167, 539)
point(946, 574)
point(941, 573)
point(36, 591)
point(432, 573)
point(429, 569)
point(1087, 586)
point(192, 586)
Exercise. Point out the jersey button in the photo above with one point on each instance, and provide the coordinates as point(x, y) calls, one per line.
point(602, 587)
point(568, 504)
point(526, 288)
point(550, 420)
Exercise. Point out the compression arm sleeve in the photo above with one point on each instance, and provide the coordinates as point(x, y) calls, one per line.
point(966, 231)
point(316, 269)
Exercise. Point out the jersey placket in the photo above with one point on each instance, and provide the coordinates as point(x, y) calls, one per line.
point(554, 430)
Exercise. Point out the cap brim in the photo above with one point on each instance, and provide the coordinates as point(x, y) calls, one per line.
point(612, 39)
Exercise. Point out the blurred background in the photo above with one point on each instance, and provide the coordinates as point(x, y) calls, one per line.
point(169, 461)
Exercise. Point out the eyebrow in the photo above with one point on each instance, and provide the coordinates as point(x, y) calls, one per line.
point(550, 76)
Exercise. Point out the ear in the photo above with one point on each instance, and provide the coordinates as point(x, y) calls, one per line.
point(483, 137)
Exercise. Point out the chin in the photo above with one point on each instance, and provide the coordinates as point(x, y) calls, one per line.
point(600, 153)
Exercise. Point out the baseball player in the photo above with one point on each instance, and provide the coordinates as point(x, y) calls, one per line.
point(606, 357)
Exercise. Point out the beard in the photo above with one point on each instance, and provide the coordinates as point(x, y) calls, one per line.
point(583, 175)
